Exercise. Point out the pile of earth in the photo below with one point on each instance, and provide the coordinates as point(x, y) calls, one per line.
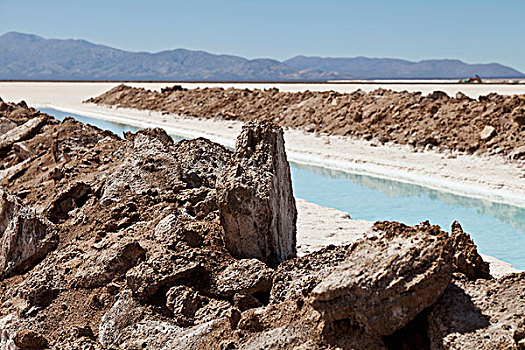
point(493, 124)
point(143, 243)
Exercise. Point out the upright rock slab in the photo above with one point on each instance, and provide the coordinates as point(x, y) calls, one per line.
point(25, 237)
point(255, 197)
point(389, 277)
point(466, 257)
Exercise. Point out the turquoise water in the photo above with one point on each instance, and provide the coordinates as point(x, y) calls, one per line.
point(498, 229)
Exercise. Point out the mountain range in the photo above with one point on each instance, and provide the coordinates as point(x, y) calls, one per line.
point(31, 57)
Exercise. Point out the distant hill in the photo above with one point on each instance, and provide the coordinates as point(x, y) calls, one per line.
point(24, 56)
point(389, 68)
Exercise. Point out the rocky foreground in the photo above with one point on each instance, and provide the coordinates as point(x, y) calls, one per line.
point(492, 125)
point(143, 243)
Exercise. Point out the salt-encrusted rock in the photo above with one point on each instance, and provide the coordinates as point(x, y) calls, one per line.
point(215, 309)
point(487, 133)
point(125, 312)
point(162, 271)
point(388, 278)
point(6, 124)
point(183, 302)
point(247, 276)
point(519, 335)
point(480, 314)
point(148, 165)
point(296, 278)
point(74, 196)
point(113, 258)
point(21, 132)
point(255, 198)
point(466, 257)
point(9, 326)
point(25, 237)
point(202, 161)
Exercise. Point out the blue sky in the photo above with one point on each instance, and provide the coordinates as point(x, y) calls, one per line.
point(474, 31)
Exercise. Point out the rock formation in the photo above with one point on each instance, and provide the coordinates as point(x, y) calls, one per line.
point(466, 257)
point(255, 197)
point(110, 243)
point(25, 237)
point(407, 270)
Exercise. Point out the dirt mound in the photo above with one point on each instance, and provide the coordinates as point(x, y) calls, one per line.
point(118, 243)
point(493, 124)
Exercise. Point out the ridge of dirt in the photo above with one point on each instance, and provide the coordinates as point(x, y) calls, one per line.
point(493, 124)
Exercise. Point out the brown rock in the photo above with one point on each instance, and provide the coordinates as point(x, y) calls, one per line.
point(25, 237)
point(74, 196)
point(162, 271)
point(125, 312)
point(466, 257)
point(487, 133)
point(247, 276)
point(213, 310)
point(183, 302)
point(519, 335)
point(255, 198)
point(388, 278)
point(22, 132)
point(114, 258)
point(6, 124)
point(201, 161)
point(296, 278)
point(30, 340)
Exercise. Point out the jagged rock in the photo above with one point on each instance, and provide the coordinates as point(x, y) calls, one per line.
point(466, 257)
point(22, 132)
point(82, 343)
point(9, 326)
point(198, 202)
point(3, 105)
point(296, 278)
point(154, 334)
point(201, 161)
point(183, 302)
point(6, 124)
point(74, 196)
point(214, 309)
point(112, 259)
point(25, 237)
point(125, 312)
point(249, 276)
point(162, 271)
point(173, 230)
point(518, 115)
point(480, 314)
point(126, 326)
point(255, 198)
point(22, 150)
point(388, 278)
point(30, 340)
point(148, 166)
point(487, 133)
